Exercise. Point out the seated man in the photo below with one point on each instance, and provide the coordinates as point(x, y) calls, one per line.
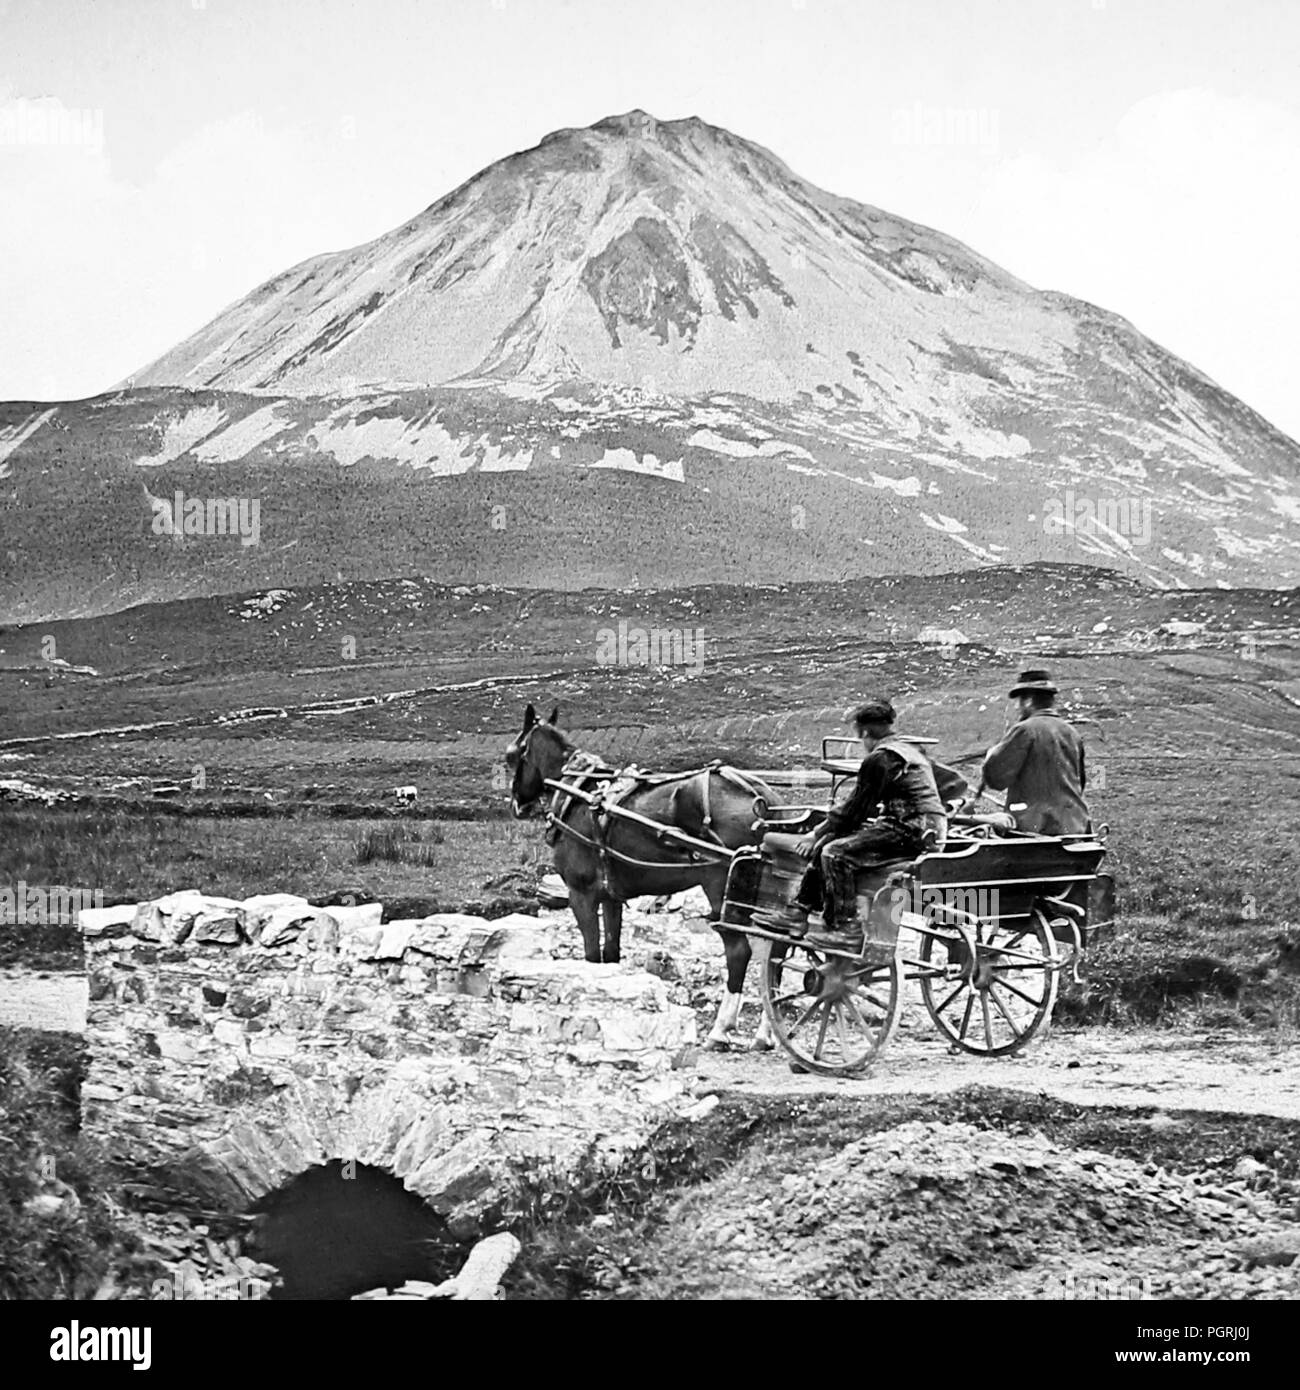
point(1040, 763)
point(894, 802)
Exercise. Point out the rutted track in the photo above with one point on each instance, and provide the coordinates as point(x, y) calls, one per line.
point(1232, 1073)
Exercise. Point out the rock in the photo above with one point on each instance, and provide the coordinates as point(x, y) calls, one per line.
point(701, 1108)
point(942, 637)
point(218, 926)
point(48, 1206)
point(1248, 1167)
point(169, 920)
point(480, 1277)
point(257, 910)
point(287, 923)
point(355, 917)
point(106, 921)
point(1279, 1247)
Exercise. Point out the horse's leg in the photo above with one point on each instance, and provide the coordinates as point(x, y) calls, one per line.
point(611, 910)
point(736, 946)
point(583, 902)
point(764, 1039)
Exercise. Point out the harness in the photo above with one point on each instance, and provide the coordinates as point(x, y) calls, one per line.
point(604, 789)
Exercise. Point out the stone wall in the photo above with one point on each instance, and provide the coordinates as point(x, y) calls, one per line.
point(236, 1044)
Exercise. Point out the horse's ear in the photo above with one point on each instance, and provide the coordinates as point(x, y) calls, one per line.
point(554, 715)
point(530, 718)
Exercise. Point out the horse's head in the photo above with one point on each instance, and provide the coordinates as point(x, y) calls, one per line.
point(538, 753)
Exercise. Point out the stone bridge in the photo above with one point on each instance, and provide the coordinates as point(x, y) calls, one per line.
point(234, 1045)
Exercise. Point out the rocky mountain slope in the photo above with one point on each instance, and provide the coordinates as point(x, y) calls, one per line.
point(643, 353)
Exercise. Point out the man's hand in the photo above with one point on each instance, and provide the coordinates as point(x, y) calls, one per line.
point(806, 845)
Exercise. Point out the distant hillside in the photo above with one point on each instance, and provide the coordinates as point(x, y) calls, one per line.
point(645, 353)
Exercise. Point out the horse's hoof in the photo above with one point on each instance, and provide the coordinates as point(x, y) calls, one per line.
point(761, 1045)
point(717, 1045)
point(798, 1070)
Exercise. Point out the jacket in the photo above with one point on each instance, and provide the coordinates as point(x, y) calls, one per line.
point(1040, 762)
point(896, 780)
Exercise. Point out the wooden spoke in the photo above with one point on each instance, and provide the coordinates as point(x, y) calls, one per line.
point(821, 1034)
point(965, 1018)
point(939, 1008)
point(806, 1015)
point(1002, 1009)
point(864, 1018)
point(1010, 960)
point(1016, 990)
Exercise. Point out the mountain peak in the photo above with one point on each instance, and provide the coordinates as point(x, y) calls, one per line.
point(636, 122)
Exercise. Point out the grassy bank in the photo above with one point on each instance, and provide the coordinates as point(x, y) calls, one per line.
point(62, 1229)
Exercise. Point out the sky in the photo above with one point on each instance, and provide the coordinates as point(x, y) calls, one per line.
point(160, 158)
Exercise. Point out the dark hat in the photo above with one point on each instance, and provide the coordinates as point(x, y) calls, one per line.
point(1032, 680)
point(874, 712)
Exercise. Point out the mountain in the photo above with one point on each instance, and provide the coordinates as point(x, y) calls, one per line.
point(638, 354)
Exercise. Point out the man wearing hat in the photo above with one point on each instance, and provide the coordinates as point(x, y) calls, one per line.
point(1040, 762)
point(893, 803)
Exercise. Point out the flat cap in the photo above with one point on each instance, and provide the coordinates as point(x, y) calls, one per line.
point(874, 712)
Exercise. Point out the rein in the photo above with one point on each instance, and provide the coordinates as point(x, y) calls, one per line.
point(584, 767)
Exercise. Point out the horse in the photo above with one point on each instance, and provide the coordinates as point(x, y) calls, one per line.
point(712, 804)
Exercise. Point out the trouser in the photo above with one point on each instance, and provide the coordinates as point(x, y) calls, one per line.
point(829, 883)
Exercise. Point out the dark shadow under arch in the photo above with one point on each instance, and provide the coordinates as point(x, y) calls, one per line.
point(340, 1229)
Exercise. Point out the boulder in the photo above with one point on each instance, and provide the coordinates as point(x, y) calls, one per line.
point(170, 919)
point(107, 921)
point(289, 922)
point(257, 910)
point(942, 637)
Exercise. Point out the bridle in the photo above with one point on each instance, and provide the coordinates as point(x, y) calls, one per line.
point(576, 763)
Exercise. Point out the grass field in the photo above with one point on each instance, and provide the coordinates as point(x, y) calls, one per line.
point(278, 754)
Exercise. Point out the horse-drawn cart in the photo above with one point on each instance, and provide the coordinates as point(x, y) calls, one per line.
point(984, 925)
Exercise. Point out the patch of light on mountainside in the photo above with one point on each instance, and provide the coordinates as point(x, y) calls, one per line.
point(720, 444)
point(11, 436)
point(649, 464)
point(1240, 547)
point(181, 432)
point(904, 487)
point(426, 445)
point(242, 437)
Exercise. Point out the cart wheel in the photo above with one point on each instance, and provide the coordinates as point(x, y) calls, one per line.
point(1004, 997)
point(830, 1014)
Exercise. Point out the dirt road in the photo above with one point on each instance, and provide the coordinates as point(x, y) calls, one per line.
point(1232, 1073)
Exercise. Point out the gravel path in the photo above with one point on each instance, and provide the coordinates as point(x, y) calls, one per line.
point(1238, 1074)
